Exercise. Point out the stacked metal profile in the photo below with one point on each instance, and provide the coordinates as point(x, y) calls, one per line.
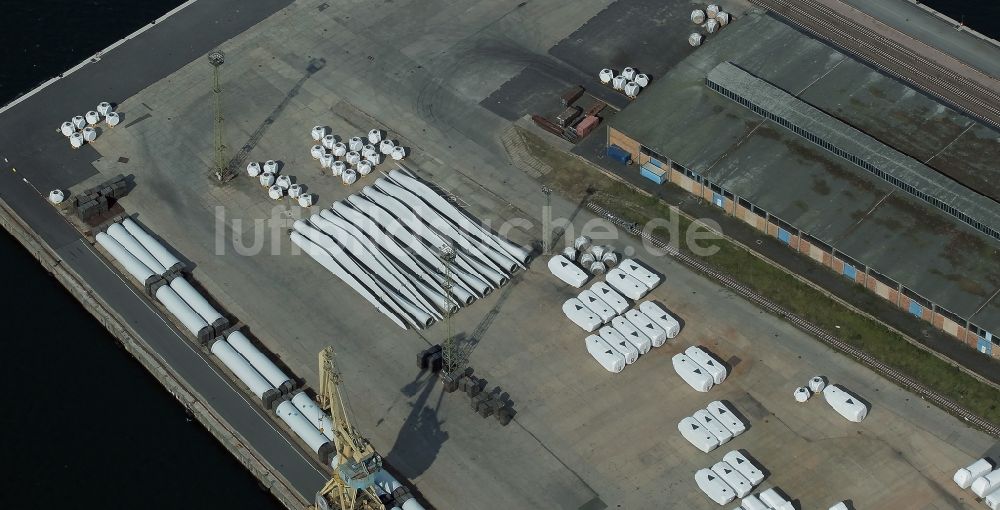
point(408, 251)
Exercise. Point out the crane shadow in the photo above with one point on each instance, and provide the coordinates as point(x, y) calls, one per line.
point(420, 437)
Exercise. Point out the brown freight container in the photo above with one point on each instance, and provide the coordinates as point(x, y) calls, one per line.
point(585, 126)
point(567, 116)
point(570, 96)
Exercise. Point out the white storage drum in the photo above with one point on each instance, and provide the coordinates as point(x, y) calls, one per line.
point(295, 190)
point(597, 268)
point(271, 166)
point(364, 167)
point(711, 26)
point(817, 383)
point(569, 252)
point(368, 153)
point(339, 149)
point(57, 196)
point(79, 122)
point(103, 108)
point(337, 168)
point(629, 73)
point(112, 119)
point(92, 118)
point(89, 134)
point(618, 82)
point(597, 251)
point(694, 39)
point(722, 18)
point(802, 394)
point(374, 159)
point(283, 182)
point(349, 176)
point(316, 151)
point(76, 140)
point(385, 146)
point(586, 259)
point(697, 16)
point(67, 129)
point(352, 158)
point(642, 80)
point(306, 200)
point(329, 141)
point(632, 89)
point(374, 136)
point(275, 192)
point(398, 153)
point(581, 243)
point(355, 143)
point(253, 169)
point(266, 179)
point(711, 11)
point(606, 75)
point(368, 148)
point(326, 160)
point(318, 133)
point(609, 258)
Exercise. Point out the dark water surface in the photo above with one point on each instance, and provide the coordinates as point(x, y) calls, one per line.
point(83, 424)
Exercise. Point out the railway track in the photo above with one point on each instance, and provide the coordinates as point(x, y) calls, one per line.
point(969, 96)
point(864, 358)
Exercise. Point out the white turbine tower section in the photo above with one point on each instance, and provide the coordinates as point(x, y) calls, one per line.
point(314, 414)
point(472, 281)
point(135, 248)
point(372, 258)
point(407, 218)
point(166, 259)
point(387, 243)
point(196, 301)
point(260, 362)
point(137, 269)
point(457, 216)
point(299, 424)
point(326, 260)
point(486, 252)
point(178, 308)
point(243, 370)
point(412, 313)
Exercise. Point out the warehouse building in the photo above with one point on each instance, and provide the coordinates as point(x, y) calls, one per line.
point(865, 175)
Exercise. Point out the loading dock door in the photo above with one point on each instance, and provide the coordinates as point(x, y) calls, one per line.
point(850, 272)
point(986, 344)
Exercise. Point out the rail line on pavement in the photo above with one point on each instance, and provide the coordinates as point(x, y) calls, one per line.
point(890, 373)
point(973, 98)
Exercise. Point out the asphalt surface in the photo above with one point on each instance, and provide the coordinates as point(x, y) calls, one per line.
point(36, 160)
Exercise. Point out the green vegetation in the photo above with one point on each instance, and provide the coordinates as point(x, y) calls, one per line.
point(578, 180)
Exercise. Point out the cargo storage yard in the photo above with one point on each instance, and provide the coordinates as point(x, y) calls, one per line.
point(374, 208)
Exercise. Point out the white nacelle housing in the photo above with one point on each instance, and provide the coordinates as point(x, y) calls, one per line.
point(705, 419)
point(609, 295)
point(751, 502)
point(713, 486)
point(703, 358)
point(692, 373)
point(637, 271)
point(733, 478)
point(720, 411)
point(986, 484)
point(646, 326)
point(633, 335)
point(771, 498)
point(581, 315)
point(745, 466)
point(845, 403)
point(596, 305)
point(992, 501)
point(664, 320)
point(567, 271)
point(965, 476)
point(697, 435)
point(606, 356)
point(625, 284)
point(618, 342)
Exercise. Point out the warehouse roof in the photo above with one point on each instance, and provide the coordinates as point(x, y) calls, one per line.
point(836, 201)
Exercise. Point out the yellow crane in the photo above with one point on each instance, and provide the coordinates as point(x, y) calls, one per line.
point(356, 462)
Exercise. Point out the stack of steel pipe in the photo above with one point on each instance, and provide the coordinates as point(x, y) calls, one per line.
point(389, 244)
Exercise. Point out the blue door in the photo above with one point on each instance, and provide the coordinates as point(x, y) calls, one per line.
point(784, 235)
point(916, 309)
point(718, 200)
point(986, 344)
point(850, 271)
